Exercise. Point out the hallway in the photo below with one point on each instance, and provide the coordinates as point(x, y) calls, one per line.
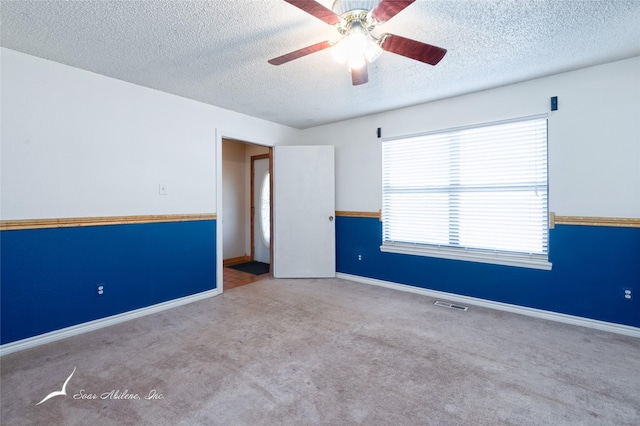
point(233, 278)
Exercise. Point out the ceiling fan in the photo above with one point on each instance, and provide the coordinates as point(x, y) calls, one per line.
point(355, 20)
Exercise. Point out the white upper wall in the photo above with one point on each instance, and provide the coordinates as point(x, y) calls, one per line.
point(594, 138)
point(79, 144)
point(76, 144)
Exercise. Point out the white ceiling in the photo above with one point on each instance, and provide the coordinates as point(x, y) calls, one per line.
point(216, 51)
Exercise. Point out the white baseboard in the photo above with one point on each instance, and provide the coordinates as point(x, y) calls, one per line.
point(532, 312)
point(101, 323)
point(115, 319)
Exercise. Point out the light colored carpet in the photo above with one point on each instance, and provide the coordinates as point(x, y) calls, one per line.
point(331, 352)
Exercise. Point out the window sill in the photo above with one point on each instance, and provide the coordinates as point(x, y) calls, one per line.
point(523, 261)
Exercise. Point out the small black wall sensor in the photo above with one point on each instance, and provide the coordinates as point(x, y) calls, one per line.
point(379, 132)
point(554, 103)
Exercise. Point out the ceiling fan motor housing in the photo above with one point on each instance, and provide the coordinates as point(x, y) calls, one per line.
point(342, 6)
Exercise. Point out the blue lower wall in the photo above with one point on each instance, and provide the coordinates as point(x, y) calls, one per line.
point(591, 266)
point(49, 277)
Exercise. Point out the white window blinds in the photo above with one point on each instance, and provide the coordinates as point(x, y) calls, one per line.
point(478, 190)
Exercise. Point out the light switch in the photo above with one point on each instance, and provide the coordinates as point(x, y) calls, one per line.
point(162, 188)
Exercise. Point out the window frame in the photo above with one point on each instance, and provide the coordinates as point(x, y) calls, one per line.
point(491, 256)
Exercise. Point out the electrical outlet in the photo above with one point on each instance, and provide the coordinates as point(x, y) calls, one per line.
point(628, 293)
point(359, 257)
point(100, 289)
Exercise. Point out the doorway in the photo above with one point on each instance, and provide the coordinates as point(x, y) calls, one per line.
point(246, 205)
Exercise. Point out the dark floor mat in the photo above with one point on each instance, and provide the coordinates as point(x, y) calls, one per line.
point(253, 267)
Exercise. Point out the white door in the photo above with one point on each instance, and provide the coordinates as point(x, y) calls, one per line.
point(261, 216)
point(304, 210)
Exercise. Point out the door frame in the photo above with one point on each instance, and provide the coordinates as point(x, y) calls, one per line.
point(253, 207)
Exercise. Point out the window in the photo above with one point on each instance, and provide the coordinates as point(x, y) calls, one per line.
point(265, 210)
point(474, 193)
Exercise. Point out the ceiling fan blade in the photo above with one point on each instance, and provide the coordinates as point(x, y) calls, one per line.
point(316, 9)
point(360, 76)
point(300, 53)
point(387, 9)
point(413, 49)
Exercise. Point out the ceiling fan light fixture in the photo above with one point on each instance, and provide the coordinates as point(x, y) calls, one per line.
point(356, 61)
point(341, 51)
point(373, 50)
point(356, 46)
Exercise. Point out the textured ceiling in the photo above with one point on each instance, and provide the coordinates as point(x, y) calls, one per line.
point(216, 51)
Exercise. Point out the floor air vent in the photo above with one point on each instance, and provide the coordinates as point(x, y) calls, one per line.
point(450, 305)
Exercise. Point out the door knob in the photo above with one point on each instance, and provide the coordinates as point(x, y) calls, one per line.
point(330, 218)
